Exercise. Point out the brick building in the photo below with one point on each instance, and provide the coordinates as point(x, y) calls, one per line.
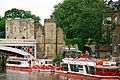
point(111, 27)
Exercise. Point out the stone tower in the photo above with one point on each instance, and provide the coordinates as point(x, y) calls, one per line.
point(20, 34)
point(50, 37)
point(20, 29)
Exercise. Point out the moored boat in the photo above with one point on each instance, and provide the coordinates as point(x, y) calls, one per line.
point(18, 63)
point(90, 68)
point(25, 64)
point(44, 65)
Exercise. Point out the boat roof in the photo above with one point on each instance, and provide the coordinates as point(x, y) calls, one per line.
point(106, 67)
point(45, 59)
point(79, 61)
point(16, 58)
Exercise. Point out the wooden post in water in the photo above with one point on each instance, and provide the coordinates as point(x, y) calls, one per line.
point(3, 58)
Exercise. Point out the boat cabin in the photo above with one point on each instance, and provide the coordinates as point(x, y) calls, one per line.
point(45, 62)
point(89, 67)
point(107, 70)
point(17, 61)
point(78, 66)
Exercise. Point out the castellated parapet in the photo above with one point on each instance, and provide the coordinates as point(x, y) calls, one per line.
point(19, 28)
point(49, 20)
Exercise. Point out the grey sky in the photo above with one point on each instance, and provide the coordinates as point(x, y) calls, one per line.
point(41, 8)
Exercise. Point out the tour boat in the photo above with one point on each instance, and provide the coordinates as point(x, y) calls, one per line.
point(43, 68)
point(93, 68)
point(44, 65)
point(18, 63)
point(25, 64)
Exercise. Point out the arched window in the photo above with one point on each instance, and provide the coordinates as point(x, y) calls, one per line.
point(23, 37)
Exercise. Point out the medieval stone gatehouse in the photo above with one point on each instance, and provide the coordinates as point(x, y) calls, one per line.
point(50, 39)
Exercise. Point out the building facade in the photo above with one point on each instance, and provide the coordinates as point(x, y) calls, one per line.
point(111, 27)
point(19, 29)
point(49, 40)
point(20, 35)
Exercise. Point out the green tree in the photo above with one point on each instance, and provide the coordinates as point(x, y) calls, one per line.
point(17, 13)
point(80, 18)
point(2, 27)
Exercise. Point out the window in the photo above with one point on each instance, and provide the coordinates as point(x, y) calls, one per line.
point(80, 68)
point(15, 28)
point(114, 70)
point(73, 67)
point(65, 66)
point(109, 18)
point(116, 19)
point(98, 70)
point(108, 70)
point(115, 48)
point(13, 62)
point(7, 28)
point(23, 37)
point(7, 37)
point(103, 70)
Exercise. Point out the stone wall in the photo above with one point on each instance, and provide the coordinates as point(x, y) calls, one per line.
point(40, 43)
point(20, 29)
point(50, 37)
point(50, 40)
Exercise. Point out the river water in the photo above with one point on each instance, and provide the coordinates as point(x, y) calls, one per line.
point(20, 75)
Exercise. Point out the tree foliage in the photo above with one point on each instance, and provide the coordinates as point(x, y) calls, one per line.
point(2, 27)
point(17, 13)
point(80, 18)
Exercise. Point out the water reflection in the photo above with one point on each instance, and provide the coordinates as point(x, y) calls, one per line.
point(19, 75)
point(73, 77)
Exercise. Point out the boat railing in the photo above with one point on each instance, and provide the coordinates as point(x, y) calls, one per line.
point(80, 59)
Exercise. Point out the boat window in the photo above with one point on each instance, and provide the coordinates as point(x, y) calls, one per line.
point(65, 67)
point(13, 62)
point(114, 70)
point(45, 62)
point(103, 70)
point(91, 70)
point(98, 70)
point(48, 62)
point(108, 70)
point(73, 67)
point(80, 68)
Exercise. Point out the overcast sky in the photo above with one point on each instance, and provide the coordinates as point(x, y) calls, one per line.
point(41, 8)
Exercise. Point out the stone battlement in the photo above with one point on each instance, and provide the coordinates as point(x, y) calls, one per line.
point(49, 20)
